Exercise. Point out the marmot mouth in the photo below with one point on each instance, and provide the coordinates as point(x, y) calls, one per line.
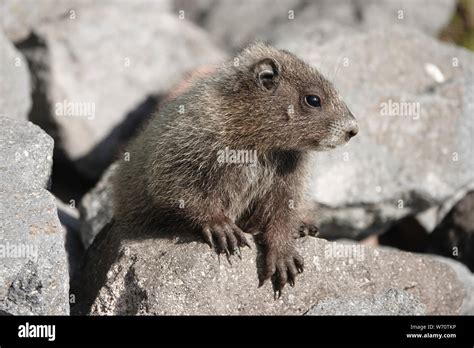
point(324, 147)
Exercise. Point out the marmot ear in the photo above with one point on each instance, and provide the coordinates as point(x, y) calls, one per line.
point(267, 73)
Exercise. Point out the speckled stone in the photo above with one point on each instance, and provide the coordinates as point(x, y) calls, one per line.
point(26, 155)
point(390, 302)
point(34, 277)
point(134, 272)
point(15, 86)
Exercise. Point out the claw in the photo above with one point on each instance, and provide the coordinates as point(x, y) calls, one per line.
point(227, 254)
point(236, 251)
point(247, 244)
point(223, 235)
point(282, 267)
point(241, 237)
point(206, 232)
point(314, 232)
point(308, 229)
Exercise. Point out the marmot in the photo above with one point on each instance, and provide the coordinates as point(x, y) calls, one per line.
point(186, 165)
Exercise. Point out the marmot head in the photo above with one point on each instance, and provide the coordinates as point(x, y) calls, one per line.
point(277, 101)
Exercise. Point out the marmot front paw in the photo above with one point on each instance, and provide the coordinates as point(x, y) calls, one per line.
point(281, 264)
point(225, 236)
point(306, 229)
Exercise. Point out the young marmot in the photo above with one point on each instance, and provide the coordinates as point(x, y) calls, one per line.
point(186, 165)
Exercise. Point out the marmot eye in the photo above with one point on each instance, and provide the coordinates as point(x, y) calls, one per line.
point(313, 100)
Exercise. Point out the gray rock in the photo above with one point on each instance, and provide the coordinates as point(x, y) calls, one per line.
point(454, 236)
point(15, 89)
point(92, 81)
point(196, 11)
point(26, 155)
point(34, 277)
point(20, 18)
point(349, 17)
point(70, 221)
point(400, 162)
point(135, 272)
point(224, 19)
point(68, 215)
point(428, 16)
point(316, 21)
point(432, 217)
point(467, 279)
point(391, 302)
point(96, 208)
point(464, 275)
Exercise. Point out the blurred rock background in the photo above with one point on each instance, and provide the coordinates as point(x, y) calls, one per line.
point(89, 73)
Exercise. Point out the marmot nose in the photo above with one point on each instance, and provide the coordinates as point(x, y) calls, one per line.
point(353, 131)
point(352, 127)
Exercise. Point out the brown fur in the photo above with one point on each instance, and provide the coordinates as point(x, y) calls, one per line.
point(173, 173)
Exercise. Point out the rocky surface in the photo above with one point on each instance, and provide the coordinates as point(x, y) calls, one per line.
point(390, 302)
point(70, 220)
point(15, 89)
point(26, 157)
point(90, 99)
point(96, 208)
point(34, 276)
point(137, 272)
point(401, 162)
point(316, 21)
point(427, 16)
point(454, 236)
point(466, 277)
point(20, 18)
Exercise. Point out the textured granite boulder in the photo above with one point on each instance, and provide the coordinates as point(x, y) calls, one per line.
point(15, 89)
point(96, 208)
point(390, 302)
point(20, 18)
point(34, 275)
point(466, 277)
point(454, 236)
point(131, 272)
point(316, 21)
point(26, 155)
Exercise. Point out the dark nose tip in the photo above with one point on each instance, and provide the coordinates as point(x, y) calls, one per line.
point(353, 131)
point(352, 126)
